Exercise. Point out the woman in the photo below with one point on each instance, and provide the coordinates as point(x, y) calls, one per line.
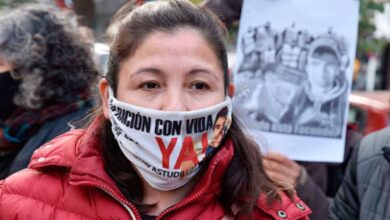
point(166, 82)
point(46, 72)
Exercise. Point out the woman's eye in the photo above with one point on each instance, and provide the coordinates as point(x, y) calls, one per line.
point(150, 85)
point(199, 86)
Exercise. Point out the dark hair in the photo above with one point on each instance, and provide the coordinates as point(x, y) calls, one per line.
point(245, 177)
point(222, 113)
point(47, 54)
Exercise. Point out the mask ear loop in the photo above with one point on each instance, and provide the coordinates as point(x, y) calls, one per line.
point(110, 92)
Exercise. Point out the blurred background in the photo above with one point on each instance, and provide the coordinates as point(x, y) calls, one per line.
point(371, 77)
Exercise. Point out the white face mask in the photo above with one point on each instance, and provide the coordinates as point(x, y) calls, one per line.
point(167, 147)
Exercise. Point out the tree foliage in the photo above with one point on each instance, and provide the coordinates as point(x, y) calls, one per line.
point(196, 1)
point(367, 43)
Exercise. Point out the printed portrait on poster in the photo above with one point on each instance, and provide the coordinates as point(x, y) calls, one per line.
point(300, 79)
point(293, 74)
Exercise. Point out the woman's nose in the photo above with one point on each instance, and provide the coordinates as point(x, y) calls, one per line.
point(174, 100)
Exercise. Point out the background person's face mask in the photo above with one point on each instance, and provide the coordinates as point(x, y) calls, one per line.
point(167, 148)
point(8, 89)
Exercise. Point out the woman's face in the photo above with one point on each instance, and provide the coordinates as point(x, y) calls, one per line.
point(171, 72)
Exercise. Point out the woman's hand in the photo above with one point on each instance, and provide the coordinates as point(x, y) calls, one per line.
point(281, 169)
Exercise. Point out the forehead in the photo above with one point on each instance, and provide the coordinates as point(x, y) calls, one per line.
point(180, 51)
point(181, 40)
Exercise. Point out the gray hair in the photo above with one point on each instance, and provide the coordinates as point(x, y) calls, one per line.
point(52, 60)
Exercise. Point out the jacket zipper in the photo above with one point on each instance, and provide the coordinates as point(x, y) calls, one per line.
point(131, 209)
point(193, 198)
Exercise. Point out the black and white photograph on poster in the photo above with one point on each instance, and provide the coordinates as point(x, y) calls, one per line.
point(294, 69)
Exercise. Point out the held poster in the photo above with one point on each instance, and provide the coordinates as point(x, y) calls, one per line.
point(293, 74)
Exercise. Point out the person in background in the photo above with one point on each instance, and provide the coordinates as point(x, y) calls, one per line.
point(126, 163)
point(227, 10)
point(46, 73)
point(364, 192)
point(309, 180)
point(382, 81)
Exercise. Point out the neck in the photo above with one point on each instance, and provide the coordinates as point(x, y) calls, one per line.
point(165, 199)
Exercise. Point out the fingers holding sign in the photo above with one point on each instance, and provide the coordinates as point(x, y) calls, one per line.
point(281, 169)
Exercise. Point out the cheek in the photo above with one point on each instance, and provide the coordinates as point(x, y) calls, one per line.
point(137, 99)
point(207, 100)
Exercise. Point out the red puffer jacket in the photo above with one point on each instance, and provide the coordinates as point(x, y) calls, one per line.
point(66, 180)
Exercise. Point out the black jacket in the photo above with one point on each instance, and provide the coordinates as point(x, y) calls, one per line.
point(16, 161)
point(365, 191)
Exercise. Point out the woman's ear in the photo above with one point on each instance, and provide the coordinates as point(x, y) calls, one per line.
point(103, 92)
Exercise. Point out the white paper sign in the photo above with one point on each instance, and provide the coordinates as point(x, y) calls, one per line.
point(293, 74)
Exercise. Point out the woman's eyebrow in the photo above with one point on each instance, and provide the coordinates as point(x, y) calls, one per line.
point(202, 70)
point(147, 70)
